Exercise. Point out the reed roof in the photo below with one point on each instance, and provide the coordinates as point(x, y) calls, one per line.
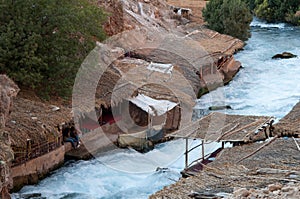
point(223, 127)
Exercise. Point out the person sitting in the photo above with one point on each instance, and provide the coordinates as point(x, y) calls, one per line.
point(75, 136)
point(67, 137)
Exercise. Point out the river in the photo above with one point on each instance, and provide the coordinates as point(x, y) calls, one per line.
point(263, 87)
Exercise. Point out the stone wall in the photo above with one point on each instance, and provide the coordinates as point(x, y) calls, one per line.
point(34, 170)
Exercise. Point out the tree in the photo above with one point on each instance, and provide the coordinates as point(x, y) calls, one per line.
point(43, 42)
point(230, 17)
point(274, 10)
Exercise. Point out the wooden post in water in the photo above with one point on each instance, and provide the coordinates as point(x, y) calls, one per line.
point(203, 141)
point(186, 152)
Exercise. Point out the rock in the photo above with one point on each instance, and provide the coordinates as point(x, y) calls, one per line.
point(135, 9)
point(8, 90)
point(284, 55)
point(31, 195)
point(4, 194)
point(6, 156)
point(242, 192)
point(214, 108)
point(286, 189)
point(54, 108)
point(274, 187)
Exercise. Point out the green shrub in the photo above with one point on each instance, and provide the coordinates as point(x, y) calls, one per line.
point(43, 42)
point(274, 10)
point(230, 17)
point(293, 18)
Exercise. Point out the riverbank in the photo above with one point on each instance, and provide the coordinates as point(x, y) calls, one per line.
point(264, 169)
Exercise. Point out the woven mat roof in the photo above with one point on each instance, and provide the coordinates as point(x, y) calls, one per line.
point(222, 127)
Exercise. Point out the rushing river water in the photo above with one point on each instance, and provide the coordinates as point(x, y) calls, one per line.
point(263, 87)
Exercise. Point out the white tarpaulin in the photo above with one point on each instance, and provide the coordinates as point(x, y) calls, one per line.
point(153, 106)
point(162, 68)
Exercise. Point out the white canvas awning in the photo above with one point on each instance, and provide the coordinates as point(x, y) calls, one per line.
point(162, 68)
point(153, 106)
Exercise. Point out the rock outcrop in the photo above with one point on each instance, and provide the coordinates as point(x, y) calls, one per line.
point(6, 156)
point(8, 90)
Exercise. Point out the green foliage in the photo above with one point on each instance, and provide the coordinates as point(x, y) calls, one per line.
point(230, 17)
point(275, 10)
point(294, 18)
point(43, 42)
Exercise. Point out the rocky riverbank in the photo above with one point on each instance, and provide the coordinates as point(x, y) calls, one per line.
point(8, 90)
point(267, 169)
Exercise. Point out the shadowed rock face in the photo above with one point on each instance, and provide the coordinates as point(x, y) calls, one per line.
point(8, 90)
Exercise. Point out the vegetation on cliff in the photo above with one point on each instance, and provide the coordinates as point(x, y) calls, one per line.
point(276, 10)
point(230, 17)
point(42, 42)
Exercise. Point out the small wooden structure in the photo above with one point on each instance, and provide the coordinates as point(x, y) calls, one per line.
point(220, 127)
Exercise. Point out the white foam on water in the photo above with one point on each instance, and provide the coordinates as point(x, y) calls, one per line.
point(262, 24)
point(265, 86)
point(103, 177)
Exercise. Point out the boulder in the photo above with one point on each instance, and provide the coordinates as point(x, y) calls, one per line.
point(215, 108)
point(6, 156)
point(284, 55)
point(8, 90)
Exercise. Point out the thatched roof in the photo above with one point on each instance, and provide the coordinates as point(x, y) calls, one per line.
point(106, 77)
point(222, 127)
point(34, 120)
point(290, 124)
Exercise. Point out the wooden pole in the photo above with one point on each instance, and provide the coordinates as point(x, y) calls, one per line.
point(296, 144)
point(186, 152)
point(203, 150)
point(251, 154)
point(28, 149)
point(149, 124)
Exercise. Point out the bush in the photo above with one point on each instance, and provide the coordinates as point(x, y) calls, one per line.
point(274, 10)
point(294, 18)
point(43, 42)
point(230, 17)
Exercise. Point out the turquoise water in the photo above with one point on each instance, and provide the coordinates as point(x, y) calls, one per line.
point(264, 86)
